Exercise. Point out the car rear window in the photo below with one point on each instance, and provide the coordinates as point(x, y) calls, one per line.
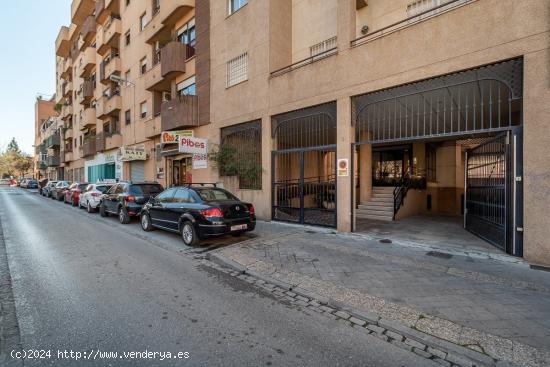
point(103, 189)
point(215, 195)
point(145, 189)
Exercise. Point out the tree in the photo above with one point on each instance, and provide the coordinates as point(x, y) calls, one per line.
point(14, 162)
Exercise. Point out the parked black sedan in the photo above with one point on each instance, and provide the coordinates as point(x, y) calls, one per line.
point(198, 211)
point(125, 199)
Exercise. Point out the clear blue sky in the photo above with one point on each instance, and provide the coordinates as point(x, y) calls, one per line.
point(28, 29)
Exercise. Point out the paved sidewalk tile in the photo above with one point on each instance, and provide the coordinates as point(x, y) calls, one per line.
point(507, 300)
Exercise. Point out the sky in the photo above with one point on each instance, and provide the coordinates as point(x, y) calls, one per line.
point(28, 29)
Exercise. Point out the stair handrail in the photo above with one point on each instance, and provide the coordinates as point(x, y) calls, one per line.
point(400, 192)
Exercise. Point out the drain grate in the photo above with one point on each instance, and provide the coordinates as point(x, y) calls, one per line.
point(441, 255)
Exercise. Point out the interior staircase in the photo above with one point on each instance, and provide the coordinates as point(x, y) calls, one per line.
point(380, 205)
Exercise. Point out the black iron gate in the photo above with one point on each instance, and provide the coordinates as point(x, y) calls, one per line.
point(304, 186)
point(489, 182)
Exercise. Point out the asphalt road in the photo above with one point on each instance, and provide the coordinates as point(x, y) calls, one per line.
point(83, 283)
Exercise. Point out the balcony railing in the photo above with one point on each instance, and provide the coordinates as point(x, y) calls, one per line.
point(89, 147)
point(52, 161)
point(313, 58)
point(88, 32)
point(86, 62)
point(111, 67)
point(66, 89)
point(165, 18)
point(182, 111)
point(416, 17)
point(88, 118)
point(53, 141)
point(100, 141)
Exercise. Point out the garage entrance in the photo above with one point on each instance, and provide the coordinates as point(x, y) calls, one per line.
point(304, 166)
point(448, 147)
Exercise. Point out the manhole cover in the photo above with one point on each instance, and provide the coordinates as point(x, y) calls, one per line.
point(385, 240)
point(441, 255)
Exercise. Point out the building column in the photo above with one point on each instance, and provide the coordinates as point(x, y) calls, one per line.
point(365, 172)
point(265, 211)
point(344, 139)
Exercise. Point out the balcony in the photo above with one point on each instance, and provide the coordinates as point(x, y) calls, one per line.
point(100, 142)
point(113, 67)
point(40, 149)
point(88, 88)
point(86, 62)
point(67, 68)
point(180, 112)
point(66, 111)
point(89, 146)
point(88, 119)
point(80, 9)
point(171, 64)
point(52, 141)
point(52, 161)
point(103, 8)
point(113, 141)
point(62, 44)
point(108, 106)
point(69, 157)
point(152, 127)
point(87, 34)
point(67, 89)
point(165, 18)
point(109, 36)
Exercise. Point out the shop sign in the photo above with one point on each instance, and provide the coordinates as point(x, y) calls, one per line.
point(193, 145)
point(173, 137)
point(110, 158)
point(343, 168)
point(200, 161)
point(136, 153)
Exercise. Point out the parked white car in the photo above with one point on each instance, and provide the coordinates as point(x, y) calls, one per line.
point(89, 199)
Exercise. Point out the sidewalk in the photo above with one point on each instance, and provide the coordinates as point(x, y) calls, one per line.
point(497, 307)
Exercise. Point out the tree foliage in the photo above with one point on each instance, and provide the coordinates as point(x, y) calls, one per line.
point(13, 162)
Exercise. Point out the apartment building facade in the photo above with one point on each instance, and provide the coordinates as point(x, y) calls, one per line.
point(46, 161)
point(375, 110)
point(126, 72)
point(323, 112)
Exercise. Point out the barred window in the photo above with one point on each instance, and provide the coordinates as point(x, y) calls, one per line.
point(322, 47)
point(237, 70)
point(245, 143)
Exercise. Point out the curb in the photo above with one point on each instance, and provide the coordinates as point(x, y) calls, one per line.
point(423, 344)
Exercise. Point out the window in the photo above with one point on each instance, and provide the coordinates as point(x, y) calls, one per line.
point(245, 140)
point(127, 117)
point(143, 109)
point(322, 47)
point(143, 65)
point(156, 6)
point(166, 196)
point(182, 196)
point(234, 5)
point(187, 35)
point(237, 70)
point(187, 87)
point(127, 38)
point(142, 21)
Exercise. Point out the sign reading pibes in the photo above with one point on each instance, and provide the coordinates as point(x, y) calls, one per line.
point(193, 145)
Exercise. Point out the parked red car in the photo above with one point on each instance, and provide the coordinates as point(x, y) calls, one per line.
point(72, 195)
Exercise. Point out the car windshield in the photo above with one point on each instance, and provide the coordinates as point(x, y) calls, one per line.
point(102, 189)
point(214, 194)
point(145, 189)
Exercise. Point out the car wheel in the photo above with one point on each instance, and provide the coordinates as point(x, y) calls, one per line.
point(89, 208)
point(123, 216)
point(188, 234)
point(102, 210)
point(146, 222)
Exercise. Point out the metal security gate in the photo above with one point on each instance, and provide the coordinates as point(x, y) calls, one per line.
point(304, 166)
point(489, 196)
point(304, 186)
point(137, 171)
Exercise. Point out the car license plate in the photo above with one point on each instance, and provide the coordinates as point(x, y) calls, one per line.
point(238, 227)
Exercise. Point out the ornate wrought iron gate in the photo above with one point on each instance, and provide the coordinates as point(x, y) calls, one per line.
point(304, 186)
point(488, 191)
point(304, 166)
